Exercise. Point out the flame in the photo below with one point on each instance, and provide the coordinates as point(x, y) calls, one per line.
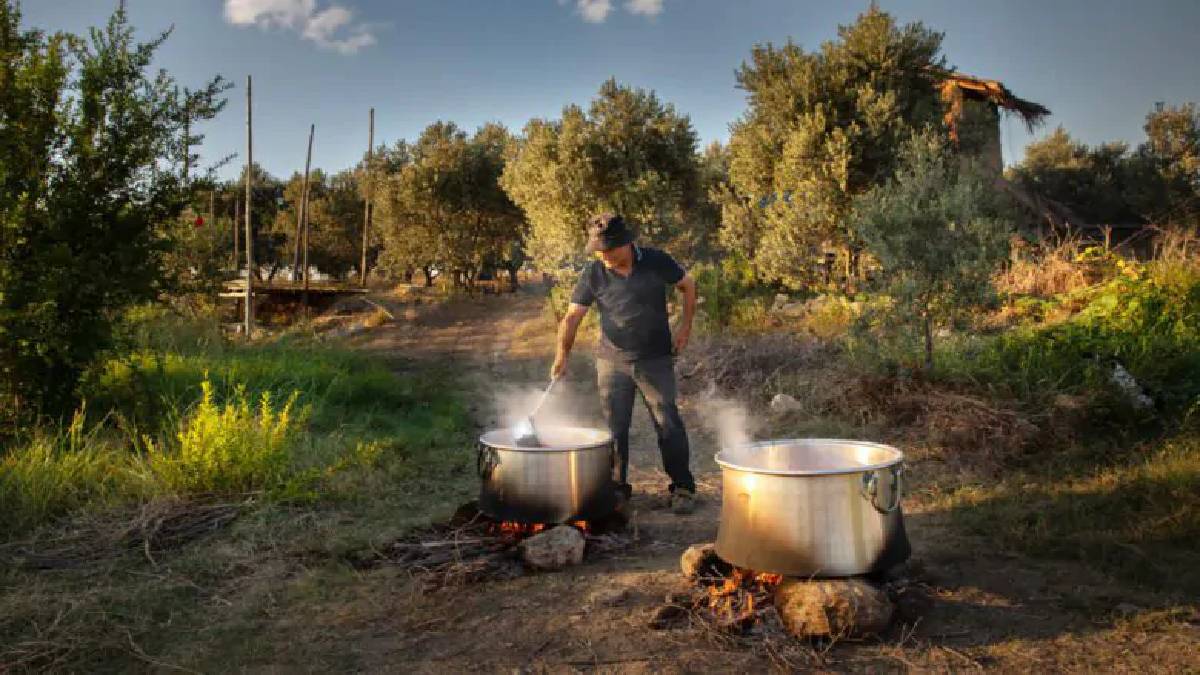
point(734, 598)
point(513, 528)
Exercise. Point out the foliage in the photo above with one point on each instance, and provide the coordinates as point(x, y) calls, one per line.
point(91, 146)
point(725, 289)
point(821, 128)
point(188, 413)
point(628, 153)
point(335, 211)
point(229, 448)
point(445, 208)
point(57, 471)
point(1157, 183)
point(939, 233)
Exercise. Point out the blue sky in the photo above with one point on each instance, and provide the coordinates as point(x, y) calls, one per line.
point(1099, 65)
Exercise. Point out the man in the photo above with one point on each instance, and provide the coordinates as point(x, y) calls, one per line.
point(629, 283)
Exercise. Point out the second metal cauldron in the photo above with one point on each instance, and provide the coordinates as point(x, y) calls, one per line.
point(812, 507)
point(570, 478)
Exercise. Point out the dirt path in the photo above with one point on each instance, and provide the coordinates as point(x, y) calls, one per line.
point(985, 608)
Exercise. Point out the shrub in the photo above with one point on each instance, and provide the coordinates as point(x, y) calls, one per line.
point(229, 448)
point(1147, 319)
point(939, 233)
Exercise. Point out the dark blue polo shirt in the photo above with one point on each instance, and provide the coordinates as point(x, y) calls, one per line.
point(633, 309)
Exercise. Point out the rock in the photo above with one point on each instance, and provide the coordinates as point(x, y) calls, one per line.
point(793, 308)
point(609, 597)
point(784, 403)
point(1127, 609)
point(554, 548)
point(828, 608)
point(1130, 387)
point(701, 560)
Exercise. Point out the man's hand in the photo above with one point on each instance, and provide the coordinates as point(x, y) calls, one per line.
point(558, 369)
point(680, 338)
point(687, 287)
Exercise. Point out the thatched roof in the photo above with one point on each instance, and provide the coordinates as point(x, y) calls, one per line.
point(956, 87)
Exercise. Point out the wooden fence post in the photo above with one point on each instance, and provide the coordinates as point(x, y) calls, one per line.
point(249, 318)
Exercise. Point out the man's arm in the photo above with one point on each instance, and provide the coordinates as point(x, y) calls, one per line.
point(567, 329)
point(686, 286)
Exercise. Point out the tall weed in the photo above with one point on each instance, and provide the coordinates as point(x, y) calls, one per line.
point(229, 448)
point(55, 472)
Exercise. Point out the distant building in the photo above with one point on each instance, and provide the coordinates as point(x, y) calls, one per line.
point(973, 108)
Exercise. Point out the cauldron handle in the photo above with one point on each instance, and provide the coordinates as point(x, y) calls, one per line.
point(870, 488)
point(486, 459)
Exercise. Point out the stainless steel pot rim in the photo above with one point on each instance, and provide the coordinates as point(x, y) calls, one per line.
point(862, 468)
point(495, 439)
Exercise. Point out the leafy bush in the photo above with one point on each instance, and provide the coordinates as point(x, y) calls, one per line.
point(730, 293)
point(229, 448)
point(1147, 319)
point(939, 232)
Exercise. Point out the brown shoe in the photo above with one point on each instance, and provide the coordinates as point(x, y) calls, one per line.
point(683, 501)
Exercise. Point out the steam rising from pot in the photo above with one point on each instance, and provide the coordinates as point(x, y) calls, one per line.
point(728, 418)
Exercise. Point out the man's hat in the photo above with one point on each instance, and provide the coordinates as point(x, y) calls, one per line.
point(607, 231)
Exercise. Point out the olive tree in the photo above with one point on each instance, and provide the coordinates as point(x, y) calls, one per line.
point(822, 127)
point(939, 229)
point(628, 152)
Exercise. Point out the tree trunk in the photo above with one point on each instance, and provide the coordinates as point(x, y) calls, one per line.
point(428, 270)
point(512, 277)
point(408, 275)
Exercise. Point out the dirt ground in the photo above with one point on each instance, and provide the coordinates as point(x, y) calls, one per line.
point(984, 608)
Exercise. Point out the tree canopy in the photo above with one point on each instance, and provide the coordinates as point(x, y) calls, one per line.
point(92, 150)
point(823, 126)
point(628, 152)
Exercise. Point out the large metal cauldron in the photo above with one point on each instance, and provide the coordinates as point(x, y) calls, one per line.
point(812, 507)
point(569, 478)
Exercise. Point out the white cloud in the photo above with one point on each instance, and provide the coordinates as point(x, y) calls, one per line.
point(644, 7)
point(595, 11)
point(333, 27)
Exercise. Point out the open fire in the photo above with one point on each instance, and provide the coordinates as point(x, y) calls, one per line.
point(472, 547)
point(738, 599)
point(740, 602)
point(517, 530)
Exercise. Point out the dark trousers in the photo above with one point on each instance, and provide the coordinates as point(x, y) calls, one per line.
point(655, 378)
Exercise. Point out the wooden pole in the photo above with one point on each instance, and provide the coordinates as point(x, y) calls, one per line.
point(304, 209)
point(367, 201)
point(249, 319)
point(303, 204)
point(237, 210)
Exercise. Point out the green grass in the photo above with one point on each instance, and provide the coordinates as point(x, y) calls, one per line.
point(329, 453)
point(1134, 514)
point(189, 413)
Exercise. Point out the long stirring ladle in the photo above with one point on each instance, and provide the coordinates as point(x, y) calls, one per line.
point(527, 435)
